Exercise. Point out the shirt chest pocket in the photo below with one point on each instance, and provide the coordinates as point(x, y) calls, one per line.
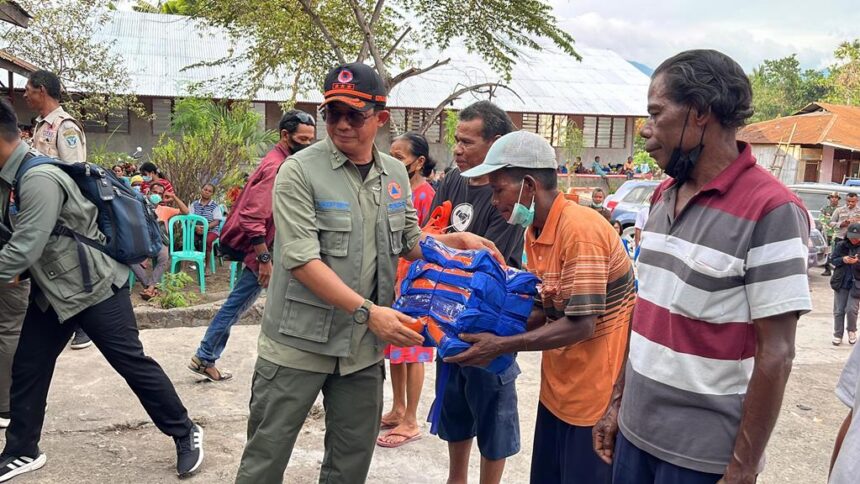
point(334, 230)
point(396, 225)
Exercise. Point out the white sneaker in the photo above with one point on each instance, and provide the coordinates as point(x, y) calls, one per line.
point(13, 466)
point(4, 422)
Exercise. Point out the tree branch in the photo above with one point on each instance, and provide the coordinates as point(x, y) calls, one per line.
point(377, 11)
point(396, 44)
point(370, 41)
point(306, 6)
point(490, 86)
point(415, 71)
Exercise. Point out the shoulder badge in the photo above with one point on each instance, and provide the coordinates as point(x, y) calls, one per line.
point(71, 137)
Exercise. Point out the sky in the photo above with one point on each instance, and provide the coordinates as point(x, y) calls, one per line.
point(749, 31)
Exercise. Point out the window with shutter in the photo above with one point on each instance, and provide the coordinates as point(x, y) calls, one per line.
point(604, 132)
point(117, 122)
point(589, 131)
point(619, 132)
point(530, 122)
point(162, 110)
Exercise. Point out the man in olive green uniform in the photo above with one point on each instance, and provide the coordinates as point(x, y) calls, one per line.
point(58, 135)
point(343, 215)
point(72, 284)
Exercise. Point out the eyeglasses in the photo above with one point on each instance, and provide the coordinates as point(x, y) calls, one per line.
point(356, 119)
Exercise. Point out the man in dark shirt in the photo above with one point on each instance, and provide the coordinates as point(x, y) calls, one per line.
point(476, 402)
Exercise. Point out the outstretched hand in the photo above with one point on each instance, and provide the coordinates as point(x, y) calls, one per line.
point(485, 348)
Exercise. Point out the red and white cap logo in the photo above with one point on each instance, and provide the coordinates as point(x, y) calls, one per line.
point(345, 76)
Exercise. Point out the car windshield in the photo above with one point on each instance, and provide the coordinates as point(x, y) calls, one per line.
point(813, 200)
point(640, 195)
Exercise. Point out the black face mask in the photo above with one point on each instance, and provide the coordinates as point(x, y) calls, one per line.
point(681, 163)
point(295, 146)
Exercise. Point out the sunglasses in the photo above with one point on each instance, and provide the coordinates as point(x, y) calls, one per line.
point(356, 119)
point(306, 118)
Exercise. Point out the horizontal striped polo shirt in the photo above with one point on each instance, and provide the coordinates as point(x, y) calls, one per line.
point(736, 253)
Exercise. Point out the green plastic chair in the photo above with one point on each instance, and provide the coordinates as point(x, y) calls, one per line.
point(235, 271)
point(216, 243)
point(188, 252)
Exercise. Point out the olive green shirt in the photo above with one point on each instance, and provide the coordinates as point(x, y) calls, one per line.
point(47, 195)
point(369, 193)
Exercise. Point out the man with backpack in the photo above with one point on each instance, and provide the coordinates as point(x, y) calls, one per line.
point(73, 283)
point(56, 134)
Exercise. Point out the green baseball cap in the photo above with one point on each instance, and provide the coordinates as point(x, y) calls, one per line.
point(519, 149)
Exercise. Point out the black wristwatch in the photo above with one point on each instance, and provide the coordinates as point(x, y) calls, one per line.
point(362, 314)
point(264, 258)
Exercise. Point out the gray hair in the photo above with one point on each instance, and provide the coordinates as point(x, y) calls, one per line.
point(709, 80)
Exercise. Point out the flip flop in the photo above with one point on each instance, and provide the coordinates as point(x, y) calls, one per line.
point(387, 425)
point(388, 445)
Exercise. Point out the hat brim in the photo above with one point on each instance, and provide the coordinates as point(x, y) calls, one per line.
point(853, 235)
point(353, 102)
point(481, 170)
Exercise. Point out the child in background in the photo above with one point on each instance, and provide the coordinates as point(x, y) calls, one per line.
point(407, 364)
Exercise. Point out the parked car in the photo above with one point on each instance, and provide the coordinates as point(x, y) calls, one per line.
point(814, 195)
point(625, 188)
point(819, 251)
point(628, 206)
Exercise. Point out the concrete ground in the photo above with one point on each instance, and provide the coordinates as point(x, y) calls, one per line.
point(96, 431)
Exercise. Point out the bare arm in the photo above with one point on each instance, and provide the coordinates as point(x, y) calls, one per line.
point(561, 332)
point(773, 359)
point(840, 437)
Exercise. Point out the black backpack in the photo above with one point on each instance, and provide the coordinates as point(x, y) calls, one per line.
point(127, 220)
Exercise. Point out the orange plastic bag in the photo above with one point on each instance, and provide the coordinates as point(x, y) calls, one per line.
point(438, 224)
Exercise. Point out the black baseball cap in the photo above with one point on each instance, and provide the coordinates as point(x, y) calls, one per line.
point(854, 231)
point(356, 85)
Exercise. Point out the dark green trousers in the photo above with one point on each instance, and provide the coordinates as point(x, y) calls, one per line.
point(281, 398)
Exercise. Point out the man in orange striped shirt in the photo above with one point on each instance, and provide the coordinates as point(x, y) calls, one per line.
point(583, 317)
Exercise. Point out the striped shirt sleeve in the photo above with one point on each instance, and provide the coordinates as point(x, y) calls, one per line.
point(584, 278)
point(775, 279)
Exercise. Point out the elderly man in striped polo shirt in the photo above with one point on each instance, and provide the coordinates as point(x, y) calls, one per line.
point(722, 283)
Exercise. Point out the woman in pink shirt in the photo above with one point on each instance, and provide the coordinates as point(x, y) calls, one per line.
point(407, 364)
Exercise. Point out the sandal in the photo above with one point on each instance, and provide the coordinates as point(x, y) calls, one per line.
point(210, 372)
point(147, 294)
point(408, 438)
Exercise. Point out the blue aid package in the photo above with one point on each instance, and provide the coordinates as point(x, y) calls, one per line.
point(466, 291)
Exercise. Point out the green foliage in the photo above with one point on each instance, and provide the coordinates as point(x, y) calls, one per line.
point(209, 143)
point(61, 39)
point(293, 43)
point(846, 74)
point(780, 88)
point(572, 142)
point(171, 294)
point(171, 7)
point(451, 121)
point(643, 158)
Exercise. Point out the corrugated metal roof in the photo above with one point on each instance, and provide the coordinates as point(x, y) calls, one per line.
point(157, 47)
point(817, 123)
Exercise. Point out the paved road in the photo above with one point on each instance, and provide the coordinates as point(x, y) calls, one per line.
point(96, 432)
